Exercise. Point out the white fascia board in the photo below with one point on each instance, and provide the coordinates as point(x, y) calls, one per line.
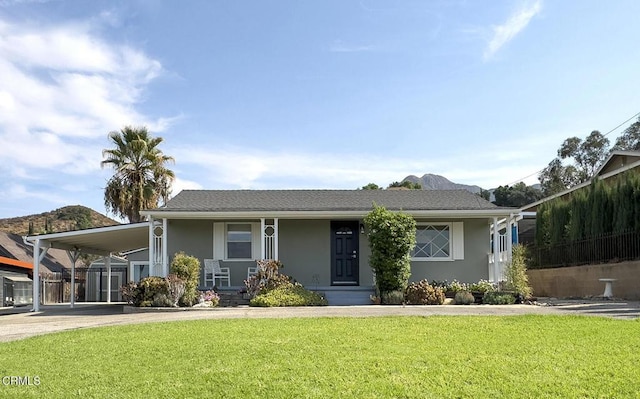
point(95, 230)
point(452, 214)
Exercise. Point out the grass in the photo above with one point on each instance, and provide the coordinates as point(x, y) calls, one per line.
point(391, 357)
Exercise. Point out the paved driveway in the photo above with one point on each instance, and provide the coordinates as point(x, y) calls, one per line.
point(20, 323)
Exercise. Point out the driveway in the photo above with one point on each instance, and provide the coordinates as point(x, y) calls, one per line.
point(20, 323)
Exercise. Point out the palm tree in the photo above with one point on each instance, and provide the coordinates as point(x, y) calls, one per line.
point(141, 180)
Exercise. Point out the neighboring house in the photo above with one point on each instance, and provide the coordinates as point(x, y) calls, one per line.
point(13, 246)
point(616, 163)
point(584, 280)
point(318, 235)
point(15, 284)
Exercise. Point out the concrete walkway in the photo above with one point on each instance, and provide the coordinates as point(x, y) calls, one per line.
point(20, 323)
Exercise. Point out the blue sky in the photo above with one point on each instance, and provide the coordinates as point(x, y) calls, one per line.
point(305, 94)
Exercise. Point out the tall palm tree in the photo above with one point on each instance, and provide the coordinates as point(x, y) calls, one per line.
point(141, 180)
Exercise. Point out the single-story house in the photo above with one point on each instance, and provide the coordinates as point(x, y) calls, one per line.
point(318, 235)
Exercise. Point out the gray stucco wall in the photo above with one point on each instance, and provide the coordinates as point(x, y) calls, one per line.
point(472, 268)
point(195, 238)
point(305, 251)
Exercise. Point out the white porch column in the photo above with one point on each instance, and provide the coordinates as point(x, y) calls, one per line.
point(107, 263)
point(263, 239)
point(165, 257)
point(275, 239)
point(496, 250)
point(151, 249)
point(509, 247)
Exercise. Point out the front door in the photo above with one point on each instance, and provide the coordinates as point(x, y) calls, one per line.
point(344, 253)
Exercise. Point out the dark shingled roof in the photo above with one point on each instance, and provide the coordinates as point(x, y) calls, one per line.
point(324, 200)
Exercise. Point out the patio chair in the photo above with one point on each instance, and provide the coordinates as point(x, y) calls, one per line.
point(252, 271)
point(213, 272)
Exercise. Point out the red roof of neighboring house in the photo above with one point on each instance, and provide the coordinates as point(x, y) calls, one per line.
point(15, 262)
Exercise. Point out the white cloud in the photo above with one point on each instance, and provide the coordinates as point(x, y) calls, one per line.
point(63, 88)
point(503, 34)
point(182, 184)
point(243, 168)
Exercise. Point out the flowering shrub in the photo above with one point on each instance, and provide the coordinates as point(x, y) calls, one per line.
point(453, 286)
point(153, 291)
point(483, 286)
point(267, 278)
point(423, 293)
point(129, 292)
point(208, 298)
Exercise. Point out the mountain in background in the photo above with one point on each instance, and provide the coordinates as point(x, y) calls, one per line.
point(436, 182)
point(73, 217)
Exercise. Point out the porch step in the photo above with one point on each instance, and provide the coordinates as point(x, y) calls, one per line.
point(232, 299)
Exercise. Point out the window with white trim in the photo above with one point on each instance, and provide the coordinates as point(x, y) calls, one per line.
point(433, 242)
point(139, 270)
point(239, 241)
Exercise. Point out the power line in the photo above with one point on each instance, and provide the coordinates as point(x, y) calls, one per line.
point(605, 135)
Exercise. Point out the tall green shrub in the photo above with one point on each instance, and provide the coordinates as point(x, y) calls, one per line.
point(187, 268)
point(516, 278)
point(598, 209)
point(392, 237)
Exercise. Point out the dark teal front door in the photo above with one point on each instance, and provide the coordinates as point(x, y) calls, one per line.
point(344, 253)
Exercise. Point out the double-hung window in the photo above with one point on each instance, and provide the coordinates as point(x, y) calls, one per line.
point(239, 241)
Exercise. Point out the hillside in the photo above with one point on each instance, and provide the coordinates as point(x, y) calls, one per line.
point(67, 218)
point(436, 182)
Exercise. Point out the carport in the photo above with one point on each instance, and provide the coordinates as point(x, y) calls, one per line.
point(104, 241)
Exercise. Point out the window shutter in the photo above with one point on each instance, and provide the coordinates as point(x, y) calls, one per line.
point(457, 240)
point(256, 235)
point(219, 240)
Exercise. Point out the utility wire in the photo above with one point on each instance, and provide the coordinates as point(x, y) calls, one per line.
point(605, 135)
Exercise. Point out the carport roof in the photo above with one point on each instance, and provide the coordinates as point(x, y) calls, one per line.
point(100, 240)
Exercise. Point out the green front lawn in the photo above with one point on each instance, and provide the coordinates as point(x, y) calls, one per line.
point(390, 357)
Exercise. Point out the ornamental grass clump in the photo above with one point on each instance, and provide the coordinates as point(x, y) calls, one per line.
point(464, 298)
point(516, 278)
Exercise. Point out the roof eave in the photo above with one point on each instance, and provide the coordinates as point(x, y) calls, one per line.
point(449, 213)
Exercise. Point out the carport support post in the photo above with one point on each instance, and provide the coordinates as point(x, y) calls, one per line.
point(107, 263)
point(38, 254)
point(36, 276)
point(73, 257)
